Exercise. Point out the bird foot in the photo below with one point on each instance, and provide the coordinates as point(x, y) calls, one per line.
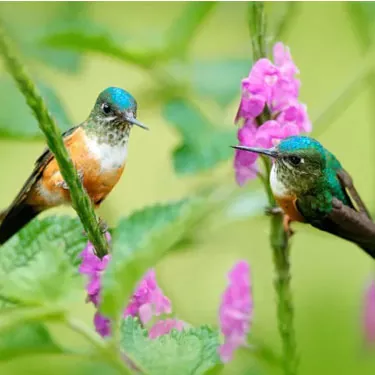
point(274, 211)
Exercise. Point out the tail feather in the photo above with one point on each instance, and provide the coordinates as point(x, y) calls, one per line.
point(14, 219)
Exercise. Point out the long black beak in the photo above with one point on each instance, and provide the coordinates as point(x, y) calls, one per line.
point(264, 151)
point(134, 121)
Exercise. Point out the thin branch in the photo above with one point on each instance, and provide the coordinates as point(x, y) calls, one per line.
point(80, 200)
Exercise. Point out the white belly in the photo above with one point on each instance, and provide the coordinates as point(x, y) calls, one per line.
point(277, 187)
point(110, 157)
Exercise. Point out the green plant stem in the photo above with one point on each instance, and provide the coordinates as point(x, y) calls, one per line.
point(105, 350)
point(278, 236)
point(80, 200)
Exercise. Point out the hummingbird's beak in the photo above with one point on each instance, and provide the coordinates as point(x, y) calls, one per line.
point(271, 152)
point(130, 118)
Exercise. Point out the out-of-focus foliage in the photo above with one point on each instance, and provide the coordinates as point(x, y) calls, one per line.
point(191, 352)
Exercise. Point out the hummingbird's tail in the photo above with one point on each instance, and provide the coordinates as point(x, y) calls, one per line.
point(15, 218)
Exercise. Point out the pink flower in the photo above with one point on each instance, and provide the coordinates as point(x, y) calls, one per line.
point(147, 301)
point(235, 310)
point(369, 314)
point(163, 327)
point(275, 87)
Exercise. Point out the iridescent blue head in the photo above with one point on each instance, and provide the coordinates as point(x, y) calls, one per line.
point(299, 161)
point(116, 107)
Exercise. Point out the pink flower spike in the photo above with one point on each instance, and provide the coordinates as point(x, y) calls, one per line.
point(235, 310)
point(102, 325)
point(369, 314)
point(163, 327)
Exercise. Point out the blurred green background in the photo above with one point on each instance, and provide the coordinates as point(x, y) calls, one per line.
point(329, 275)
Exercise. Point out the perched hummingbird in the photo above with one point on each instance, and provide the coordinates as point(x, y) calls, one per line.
point(98, 149)
point(310, 185)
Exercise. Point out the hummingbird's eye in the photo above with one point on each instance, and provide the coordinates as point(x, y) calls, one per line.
point(295, 160)
point(106, 108)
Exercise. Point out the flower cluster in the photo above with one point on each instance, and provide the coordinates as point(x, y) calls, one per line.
point(236, 310)
point(270, 89)
point(146, 302)
point(369, 314)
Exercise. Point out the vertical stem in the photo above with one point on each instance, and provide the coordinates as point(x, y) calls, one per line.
point(278, 236)
point(80, 200)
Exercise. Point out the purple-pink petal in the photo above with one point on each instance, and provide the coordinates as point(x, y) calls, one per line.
point(369, 314)
point(163, 327)
point(235, 310)
point(102, 325)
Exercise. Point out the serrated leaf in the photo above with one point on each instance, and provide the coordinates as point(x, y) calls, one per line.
point(48, 278)
point(140, 241)
point(190, 352)
point(219, 80)
point(61, 232)
point(203, 146)
point(25, 340)
point(16, 119)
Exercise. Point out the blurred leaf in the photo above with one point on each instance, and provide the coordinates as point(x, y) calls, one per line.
point(60, 232)
point(220, 80)
point(280, 16)
point(25, 340)
point(48, 278)
point(98, 41)
point(183, 30)
point(203, 146)
point(16, 119)
point(362, 15)
point(216, 370)
point(190, 352)
point(140, 241)
point(27, 37)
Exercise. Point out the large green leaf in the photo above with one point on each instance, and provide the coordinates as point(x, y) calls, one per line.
point(362, 15)
point(25, 340)
point(140, 241)
point(219, 79)
point(28, 36)
point(92, 39)
point(48, 278)
point(16, 119)
point(61, 232)
point(203, 145)
point(190, 352)
point(185, 27)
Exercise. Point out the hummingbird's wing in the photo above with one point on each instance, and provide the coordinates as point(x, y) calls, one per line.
point(352, 222)
point(351, 193)
point(19, 213)
point(39, 166)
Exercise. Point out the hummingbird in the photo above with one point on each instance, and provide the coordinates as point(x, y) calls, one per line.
point(310, 185)
point(98, 149)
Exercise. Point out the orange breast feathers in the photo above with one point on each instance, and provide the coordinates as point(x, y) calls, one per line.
point(51, 189)
point(288, 205)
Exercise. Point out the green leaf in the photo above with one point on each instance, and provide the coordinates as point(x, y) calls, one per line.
point(362, 16)
point(61, 232)
point(219, 80)
point(190, 352)
point(16, 119)
point(203, 146)
point(25, 340)
point(99, 41)
point(183, 30)
point(140, 241)
point(48, 278)
point(28, 36)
